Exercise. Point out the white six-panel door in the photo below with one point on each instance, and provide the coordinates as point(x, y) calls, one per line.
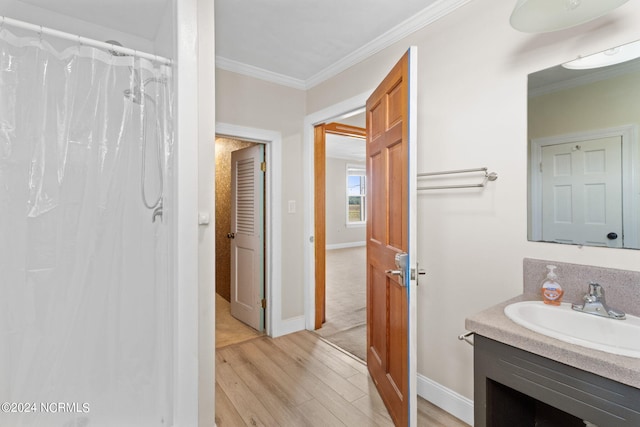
point(582, 192)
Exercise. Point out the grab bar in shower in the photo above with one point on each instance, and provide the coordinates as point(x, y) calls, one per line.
point(488, 176)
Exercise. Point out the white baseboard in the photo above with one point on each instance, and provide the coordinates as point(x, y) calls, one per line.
point(288, 326)
point(452, 402)
point(345, 245)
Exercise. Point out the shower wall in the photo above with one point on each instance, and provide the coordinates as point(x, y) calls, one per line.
point(111, 331)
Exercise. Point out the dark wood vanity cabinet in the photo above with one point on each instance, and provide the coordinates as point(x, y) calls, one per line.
point(515, 388)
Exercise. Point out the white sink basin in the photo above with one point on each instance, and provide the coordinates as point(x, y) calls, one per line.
point(571, 326)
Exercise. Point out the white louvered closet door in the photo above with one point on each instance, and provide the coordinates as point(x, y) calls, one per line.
point(247, 244)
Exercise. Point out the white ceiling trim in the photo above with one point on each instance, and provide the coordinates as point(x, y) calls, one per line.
point(259, 73)
point(599, 75)
point(420, 20)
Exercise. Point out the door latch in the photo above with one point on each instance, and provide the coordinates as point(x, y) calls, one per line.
point(421, 272)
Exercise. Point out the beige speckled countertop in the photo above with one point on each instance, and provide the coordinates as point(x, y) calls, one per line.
point(493, 323)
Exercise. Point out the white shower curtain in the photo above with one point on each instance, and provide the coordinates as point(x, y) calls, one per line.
point(85, 279)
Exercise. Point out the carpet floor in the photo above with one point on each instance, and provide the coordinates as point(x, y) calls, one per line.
point(346, 305)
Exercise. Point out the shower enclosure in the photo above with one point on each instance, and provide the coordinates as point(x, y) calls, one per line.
point(86, 205)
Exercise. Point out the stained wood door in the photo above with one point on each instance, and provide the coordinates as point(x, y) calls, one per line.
point(391, 231)
point(247, 243)
point(582, 192)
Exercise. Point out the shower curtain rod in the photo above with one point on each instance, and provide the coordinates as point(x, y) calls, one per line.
point(82, 40)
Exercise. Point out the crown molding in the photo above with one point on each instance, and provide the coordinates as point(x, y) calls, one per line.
point(259, 73)
point(418, 21)
point(603, 74)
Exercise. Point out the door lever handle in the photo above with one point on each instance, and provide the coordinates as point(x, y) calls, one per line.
point(394, 272)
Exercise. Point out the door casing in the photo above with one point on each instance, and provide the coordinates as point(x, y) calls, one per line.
point(274, 325)
point(319, 168)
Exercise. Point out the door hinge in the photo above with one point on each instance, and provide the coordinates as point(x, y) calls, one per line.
point(263, 166)
point(264, 303)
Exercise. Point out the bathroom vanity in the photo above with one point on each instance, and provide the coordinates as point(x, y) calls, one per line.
point(522, 378)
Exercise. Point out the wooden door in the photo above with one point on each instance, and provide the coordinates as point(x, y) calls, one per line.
point(582, 192)
point(390, 186)
point(247, 232)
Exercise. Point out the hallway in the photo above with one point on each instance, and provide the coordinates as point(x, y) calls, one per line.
point(346, 300)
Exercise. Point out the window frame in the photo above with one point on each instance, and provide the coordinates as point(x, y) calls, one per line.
point(356, 170)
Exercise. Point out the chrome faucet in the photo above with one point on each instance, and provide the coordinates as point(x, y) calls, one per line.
point(594, 303)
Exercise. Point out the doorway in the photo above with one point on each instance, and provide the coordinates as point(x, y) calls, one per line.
point(340, 221)
point(398, 331)
point(229, 329)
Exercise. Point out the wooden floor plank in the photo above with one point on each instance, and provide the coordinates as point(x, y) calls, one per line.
point(431, 415)
point(364, 383)
point(318, 415)
point(277, 400)
point(322, 352)
point(330, 349)
point(226, 413)
point(324, 373)
point(246, 403)
point(325, 395)
point(276, 354)
point(284, 382)
point(371, 404)
point(291, 390)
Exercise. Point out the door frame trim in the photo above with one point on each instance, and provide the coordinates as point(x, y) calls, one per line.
point(630, 168)
point(325, 115)
point(273, 217)
point(320, 221)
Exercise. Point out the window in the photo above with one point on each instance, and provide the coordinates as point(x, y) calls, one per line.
point(356, 191)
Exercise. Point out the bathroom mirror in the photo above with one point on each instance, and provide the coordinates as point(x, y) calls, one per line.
point(584, 165)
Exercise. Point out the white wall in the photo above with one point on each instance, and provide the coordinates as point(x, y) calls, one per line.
point(337, 231)
point(599, 105)
point(472, 112)
point(249, 102)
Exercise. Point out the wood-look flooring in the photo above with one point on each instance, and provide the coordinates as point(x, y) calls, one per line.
point(300, 380)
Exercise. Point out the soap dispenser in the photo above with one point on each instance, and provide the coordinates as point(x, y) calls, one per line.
point(551, 290)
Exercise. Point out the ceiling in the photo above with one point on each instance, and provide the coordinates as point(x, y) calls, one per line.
point(140, 18)
point(297, 43)
point(344, 147)
point(300, 43)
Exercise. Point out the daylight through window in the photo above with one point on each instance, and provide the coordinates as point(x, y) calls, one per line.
point(356, 191)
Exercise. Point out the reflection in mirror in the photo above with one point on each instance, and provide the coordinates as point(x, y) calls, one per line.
point(584, 163)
